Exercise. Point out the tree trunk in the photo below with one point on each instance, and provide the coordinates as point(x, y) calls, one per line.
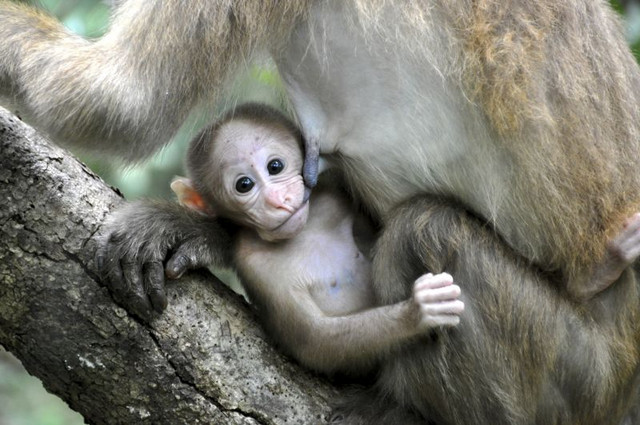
point(204, 361)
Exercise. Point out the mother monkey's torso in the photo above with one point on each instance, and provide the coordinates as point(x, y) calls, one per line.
point(430, 99)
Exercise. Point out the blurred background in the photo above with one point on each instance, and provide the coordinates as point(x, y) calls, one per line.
point(23, 400)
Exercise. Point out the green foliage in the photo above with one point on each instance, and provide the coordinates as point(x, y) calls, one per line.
point(85, 17)
point(631, 14)
point(24, 401)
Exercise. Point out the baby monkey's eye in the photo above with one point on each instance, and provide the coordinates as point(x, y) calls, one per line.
point(244, 184)
point(275, 166)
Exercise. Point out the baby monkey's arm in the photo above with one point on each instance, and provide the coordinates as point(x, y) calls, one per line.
point(354, 342)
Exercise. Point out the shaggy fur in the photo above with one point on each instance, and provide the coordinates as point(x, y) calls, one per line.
point(524, 112)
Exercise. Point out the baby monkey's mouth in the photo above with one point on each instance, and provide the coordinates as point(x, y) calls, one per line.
point(295, 215)
point(289, 227)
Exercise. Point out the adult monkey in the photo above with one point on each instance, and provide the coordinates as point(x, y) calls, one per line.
point(524, 112)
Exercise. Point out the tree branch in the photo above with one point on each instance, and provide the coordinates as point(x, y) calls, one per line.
point(204, 361)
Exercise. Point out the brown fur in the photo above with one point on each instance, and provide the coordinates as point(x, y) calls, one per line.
point(146, 92)
point(552, 82)
point(561, 89)
point(544, 361)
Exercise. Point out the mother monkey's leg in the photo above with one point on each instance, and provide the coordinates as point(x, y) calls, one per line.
point(522, 353)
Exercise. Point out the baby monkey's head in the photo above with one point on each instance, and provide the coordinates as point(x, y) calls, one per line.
point(247, 167)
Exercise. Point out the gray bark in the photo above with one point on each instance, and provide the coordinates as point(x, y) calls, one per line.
point(205, 360)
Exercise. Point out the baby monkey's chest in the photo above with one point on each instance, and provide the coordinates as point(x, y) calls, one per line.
point(342, 280)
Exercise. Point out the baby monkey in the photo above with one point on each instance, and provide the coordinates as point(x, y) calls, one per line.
point(298, 259)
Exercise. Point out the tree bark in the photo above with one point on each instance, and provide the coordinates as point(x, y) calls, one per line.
point(205, 360)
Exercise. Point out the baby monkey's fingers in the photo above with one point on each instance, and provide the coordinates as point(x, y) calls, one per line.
point(440, 314)
point(433, 281)
point(442, 308)
point(436, 297)
point(440, 321)
point(430, 288)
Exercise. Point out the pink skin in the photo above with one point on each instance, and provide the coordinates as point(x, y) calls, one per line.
point(437, 300)
point(290, 228)
point(279, 197)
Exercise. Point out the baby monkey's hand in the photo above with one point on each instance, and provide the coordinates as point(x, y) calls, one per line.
point(437, 300)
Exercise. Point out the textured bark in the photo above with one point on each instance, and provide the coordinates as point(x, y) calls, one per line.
point(204, 361)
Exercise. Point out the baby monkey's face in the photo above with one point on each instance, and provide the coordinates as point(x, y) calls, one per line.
point(261, 175)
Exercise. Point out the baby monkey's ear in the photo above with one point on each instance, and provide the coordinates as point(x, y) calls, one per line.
point(189, 197)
